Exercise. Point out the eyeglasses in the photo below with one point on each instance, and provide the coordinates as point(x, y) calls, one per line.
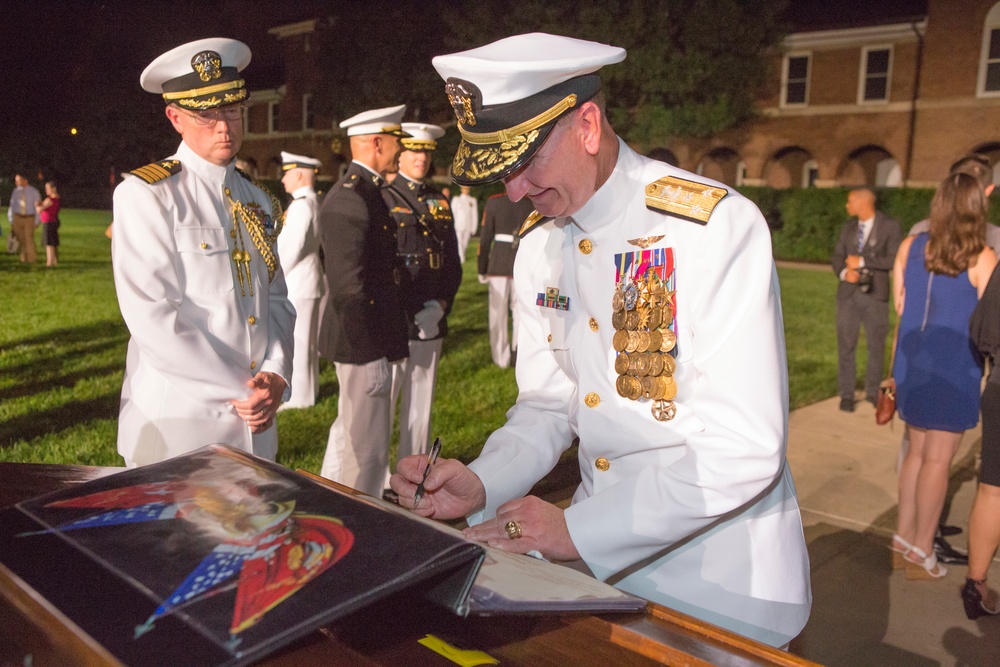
point(213, 116)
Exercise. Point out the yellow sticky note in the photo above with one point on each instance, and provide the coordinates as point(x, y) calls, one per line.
point(457, 655)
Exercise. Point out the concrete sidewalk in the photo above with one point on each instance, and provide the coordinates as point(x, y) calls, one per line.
point(864, 613)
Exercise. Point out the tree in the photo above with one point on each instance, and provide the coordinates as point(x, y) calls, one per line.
point(694, 67)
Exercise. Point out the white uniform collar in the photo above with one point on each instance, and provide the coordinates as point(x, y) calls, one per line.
point(606, 204)
point(208, 171)
point(304, 191)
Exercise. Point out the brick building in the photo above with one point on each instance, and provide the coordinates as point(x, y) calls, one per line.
point(890, 98)
point(887, 96)
point(283, 118)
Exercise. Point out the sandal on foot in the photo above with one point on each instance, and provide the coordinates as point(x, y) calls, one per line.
point(974, 599)
point(899, 548)
point(920, 566)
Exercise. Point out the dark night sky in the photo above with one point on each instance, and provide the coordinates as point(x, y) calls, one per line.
point(66, 61)
point(57, 51)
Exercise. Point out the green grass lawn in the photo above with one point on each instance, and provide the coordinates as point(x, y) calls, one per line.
point(62, 353)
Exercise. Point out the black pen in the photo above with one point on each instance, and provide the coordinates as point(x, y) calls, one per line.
point(435, 450)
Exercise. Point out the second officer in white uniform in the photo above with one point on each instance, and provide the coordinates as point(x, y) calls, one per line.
point(298, 248)
point(197, 274)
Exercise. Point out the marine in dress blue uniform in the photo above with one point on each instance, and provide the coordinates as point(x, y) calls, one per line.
point(498, 242)
point(364, 328)
point(649, 328)
point(197, 275)
point(428, 249)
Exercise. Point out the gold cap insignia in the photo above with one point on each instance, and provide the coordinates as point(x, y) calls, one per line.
point(208, 65)
point(461, 101)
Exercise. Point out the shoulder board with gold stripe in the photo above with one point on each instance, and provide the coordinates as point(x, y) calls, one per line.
point(531, 222)
point(686, 199)
point(158, 171)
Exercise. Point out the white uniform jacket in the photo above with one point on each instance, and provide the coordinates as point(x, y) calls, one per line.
point(298, 247)
point(698, 513)
point(465, 211)
point(198, 336)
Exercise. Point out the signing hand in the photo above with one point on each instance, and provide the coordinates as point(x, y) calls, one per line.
point(451, 490)
point(542, 527)
point(258, 409)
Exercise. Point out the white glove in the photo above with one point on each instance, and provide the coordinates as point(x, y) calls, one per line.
point(428, 318)
point(483, 279)
point(378, 377)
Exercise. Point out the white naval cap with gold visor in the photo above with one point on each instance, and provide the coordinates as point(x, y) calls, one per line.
point(508, 95)
point(203, 74)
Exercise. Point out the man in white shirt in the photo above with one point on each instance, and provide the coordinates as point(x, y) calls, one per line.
point(23, 218)
point(197, 274)
point(862, 259)
point(650, 331)
point(298, 249)
point(465, 209)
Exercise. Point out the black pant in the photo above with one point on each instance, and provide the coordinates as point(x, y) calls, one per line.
point(853, 311)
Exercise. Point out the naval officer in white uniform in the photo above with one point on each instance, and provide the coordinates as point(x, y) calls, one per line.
point(298, 248)
point(650, 328)
point(197, 274)
point(465, 210)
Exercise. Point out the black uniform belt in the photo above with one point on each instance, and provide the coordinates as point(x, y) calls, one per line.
point(429, 259)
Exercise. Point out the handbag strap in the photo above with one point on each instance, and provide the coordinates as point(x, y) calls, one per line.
point(895, 341)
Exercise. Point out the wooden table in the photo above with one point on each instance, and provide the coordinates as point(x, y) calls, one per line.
point(387, 632)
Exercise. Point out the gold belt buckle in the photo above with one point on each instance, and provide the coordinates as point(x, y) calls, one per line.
point(434, 260)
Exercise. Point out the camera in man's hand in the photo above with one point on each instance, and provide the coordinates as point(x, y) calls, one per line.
point(865, 280)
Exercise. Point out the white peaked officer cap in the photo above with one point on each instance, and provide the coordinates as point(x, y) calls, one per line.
point(293, 161)
point(203, 74)
point(376, 121)
point(507, 96)
point(423, 137)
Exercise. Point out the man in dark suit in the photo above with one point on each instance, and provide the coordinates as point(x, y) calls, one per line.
point(862, 260)
point(502, 220)
point(364, 327)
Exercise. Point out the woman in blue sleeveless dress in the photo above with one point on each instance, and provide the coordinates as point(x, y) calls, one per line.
point(938, 278)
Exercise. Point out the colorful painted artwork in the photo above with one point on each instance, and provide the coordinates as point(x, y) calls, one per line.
point(216, 557)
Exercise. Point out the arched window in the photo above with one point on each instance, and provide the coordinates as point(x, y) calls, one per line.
point(888, 174)
point(989, 59)
point(810, 172)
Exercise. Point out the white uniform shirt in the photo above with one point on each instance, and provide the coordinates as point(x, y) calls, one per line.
point(465, 211)
point(197, 336)
point(298, 247)
point(697, 513)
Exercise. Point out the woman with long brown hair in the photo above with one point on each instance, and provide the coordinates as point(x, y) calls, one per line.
point(938, 278)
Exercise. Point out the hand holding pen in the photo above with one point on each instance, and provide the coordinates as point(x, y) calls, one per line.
point(431, 459)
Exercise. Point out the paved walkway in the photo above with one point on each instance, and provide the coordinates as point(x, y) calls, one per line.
point(864, 613)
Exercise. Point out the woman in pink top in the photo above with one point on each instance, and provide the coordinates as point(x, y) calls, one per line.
point(48, 213)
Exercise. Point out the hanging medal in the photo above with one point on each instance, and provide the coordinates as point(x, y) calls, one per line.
point(645, 342)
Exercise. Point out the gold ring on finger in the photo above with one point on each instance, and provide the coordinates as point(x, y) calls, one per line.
point(513, 529)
